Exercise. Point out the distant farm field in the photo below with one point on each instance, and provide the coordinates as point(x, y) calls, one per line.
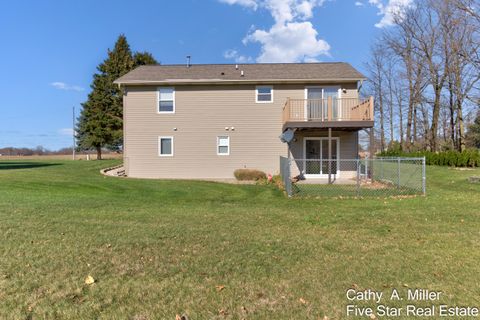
point(156, 248)
point(108, 156)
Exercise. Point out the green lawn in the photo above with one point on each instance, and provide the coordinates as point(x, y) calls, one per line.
point(161, 248)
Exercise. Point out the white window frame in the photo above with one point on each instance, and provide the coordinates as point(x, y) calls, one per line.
point(218, 146)
point(158, 100)
point(160, 146)
point(256, 94)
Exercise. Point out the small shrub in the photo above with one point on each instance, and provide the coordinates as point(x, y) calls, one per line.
point(249, 174)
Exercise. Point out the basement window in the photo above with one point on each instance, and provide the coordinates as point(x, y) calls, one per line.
point(165, 146)
point(166, 100)
point(264, 94)
point(223, 145)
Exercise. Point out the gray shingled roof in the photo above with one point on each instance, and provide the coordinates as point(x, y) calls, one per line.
point(212, 73)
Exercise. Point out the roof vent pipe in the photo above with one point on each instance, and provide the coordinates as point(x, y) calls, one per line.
point(236, 67)
point(242, 74)
point(188, 61)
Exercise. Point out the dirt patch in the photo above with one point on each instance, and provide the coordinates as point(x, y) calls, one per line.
point(463, 169)
point(474, 179)
point(231, 181)
point(375, 185)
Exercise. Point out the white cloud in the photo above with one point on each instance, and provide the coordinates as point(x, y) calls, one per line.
point(66, 131)
point(359, 4)
point(290, 42)
point(390, 10)
point(289, 10)
point(67, 87)
point(246, 3)
point(292, 38)
point(234, 55)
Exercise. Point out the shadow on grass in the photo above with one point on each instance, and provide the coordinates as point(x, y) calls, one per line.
point(13, 165)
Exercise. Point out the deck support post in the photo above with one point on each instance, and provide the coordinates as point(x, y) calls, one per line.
point(329, 155)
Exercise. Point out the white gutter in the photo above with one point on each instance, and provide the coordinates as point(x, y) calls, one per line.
point(221, 81)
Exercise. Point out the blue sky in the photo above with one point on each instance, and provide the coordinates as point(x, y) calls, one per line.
point(50, 49)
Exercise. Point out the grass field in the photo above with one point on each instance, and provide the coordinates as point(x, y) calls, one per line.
point(220, 251)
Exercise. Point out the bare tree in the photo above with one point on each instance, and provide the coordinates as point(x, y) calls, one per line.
point(377, 79)
point(399, 92)
point(461, 47)
point(401, 42)
point(390, 84)
point(425, 73)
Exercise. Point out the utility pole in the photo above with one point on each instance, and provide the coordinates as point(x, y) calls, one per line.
point(73, 133)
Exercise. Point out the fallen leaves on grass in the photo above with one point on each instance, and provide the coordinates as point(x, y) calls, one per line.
point(89, 280)
point(222, 312)
point(220, 287)
point(303, 301)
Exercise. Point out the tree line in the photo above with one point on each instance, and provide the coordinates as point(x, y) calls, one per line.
point(424, 74)
point(37, 151)
point(100, 124)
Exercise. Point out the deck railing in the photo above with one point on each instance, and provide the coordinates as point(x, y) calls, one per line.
point(329, 109)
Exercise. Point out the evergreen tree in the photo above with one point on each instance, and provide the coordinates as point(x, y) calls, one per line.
point(143, 58)
point(473, 134)
point(100, 123)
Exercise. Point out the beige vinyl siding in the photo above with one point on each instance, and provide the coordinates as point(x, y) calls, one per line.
point(348, 90)
point(351, 90)
point(201, 115)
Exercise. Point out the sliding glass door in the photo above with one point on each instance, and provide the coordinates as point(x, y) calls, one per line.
point(316, 161)
point(317, 103)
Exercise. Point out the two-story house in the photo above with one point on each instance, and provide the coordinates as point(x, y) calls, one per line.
point(206, 121)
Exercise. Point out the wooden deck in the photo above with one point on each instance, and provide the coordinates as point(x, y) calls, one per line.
point(328, 113)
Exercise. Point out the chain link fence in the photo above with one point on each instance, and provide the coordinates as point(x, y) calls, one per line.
point(378, 177)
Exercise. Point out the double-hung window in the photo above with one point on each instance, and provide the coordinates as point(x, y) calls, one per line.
point(264, 94)
point(223, 145)
point(165, 146)
point(166, 100)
